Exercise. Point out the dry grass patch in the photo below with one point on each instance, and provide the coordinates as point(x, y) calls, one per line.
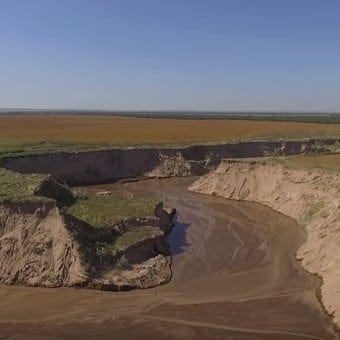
point(328, 162)
point(16, 131)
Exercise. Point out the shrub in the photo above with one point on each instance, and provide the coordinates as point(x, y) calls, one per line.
point(80, 194)
point(123, 263)
point(313, 210)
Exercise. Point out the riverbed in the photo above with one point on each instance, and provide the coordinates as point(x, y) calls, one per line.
point(234, 276)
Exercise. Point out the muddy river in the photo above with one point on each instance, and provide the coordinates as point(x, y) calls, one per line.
point(234, 277)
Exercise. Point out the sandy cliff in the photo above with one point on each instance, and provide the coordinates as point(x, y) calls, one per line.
point(37, 249)
point(42, 246)
point(310, 196)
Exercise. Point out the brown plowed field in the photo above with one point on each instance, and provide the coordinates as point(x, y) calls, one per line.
point(120, 130)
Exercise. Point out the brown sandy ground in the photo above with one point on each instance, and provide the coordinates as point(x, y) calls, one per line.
point(234, 277)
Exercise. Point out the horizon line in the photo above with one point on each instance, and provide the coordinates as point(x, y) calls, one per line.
point(117, 111)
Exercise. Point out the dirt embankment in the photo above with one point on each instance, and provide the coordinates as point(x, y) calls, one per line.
point(42, 246)
point(36, 248)
point(310, 196)
point(96, 167)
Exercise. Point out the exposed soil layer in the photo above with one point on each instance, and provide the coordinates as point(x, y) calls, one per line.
point(95, 167)
point(234, 277)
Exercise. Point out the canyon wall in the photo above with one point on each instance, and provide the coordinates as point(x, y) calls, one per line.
point(310, 196)
point(95, 167)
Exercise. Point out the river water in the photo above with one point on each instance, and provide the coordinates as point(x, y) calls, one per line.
point(234, 277)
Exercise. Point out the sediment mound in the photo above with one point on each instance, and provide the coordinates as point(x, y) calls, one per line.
point(37, 249)
point(310, 196)
point(171, 166)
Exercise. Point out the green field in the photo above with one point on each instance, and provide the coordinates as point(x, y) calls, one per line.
point(105, 210)
point(329, 162)
point(20, 187)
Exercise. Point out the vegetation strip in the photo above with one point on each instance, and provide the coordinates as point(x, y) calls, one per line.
point(105, 210)
point(17, 187)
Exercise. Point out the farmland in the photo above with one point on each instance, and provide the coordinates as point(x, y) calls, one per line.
point(22, 131)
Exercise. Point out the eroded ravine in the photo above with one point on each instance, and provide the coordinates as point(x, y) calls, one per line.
point(234, 276)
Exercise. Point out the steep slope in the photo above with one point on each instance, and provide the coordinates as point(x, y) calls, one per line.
point(310, 196)
point(37, 249)
point(42, 246)
point(96, 167)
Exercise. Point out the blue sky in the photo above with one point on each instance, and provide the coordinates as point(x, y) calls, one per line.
point(170, 54)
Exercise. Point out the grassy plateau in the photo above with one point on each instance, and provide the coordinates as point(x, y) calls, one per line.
point(328, 162)
point(106, 210)
point(20, 187)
